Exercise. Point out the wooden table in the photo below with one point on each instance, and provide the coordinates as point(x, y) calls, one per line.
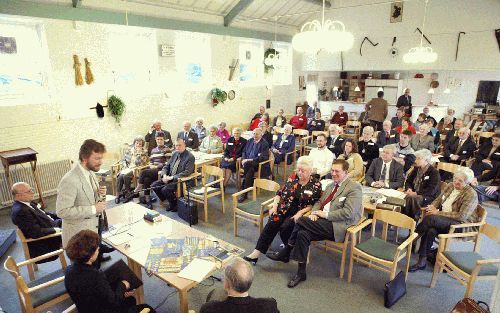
point(137, 248)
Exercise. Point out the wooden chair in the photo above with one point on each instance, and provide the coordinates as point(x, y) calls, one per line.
point(32, 267)
point(357, 129)
point(253, 211)
point(290, 155)
point(301, 139)
point(42, 293)
point(379, 253)
point(207, 190)
point(108, 169)
point(448, 167)
point(117, 167)
point(241, 170)
point(464, 266)
point(479, 135)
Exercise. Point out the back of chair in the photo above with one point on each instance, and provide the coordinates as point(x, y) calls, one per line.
point(11, 267)
point(315, 133)
point(448, 167)
point(478, 136)
point(266, 184)
point(20, 235)
point(301, 132)
point(491, 231)
point(393, 218)
point(211, 170)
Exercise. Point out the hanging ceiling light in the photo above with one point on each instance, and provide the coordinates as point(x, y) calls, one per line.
point(357, 89)
point(421, 54)
point(430, 91)
point(380, 89)
point(328, 35)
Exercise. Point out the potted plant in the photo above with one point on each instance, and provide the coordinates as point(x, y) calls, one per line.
point(116, 107)
point(218, 96)
point(271, 55)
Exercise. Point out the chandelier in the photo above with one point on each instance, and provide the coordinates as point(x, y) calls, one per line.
point(421, 54)
point(325, 35)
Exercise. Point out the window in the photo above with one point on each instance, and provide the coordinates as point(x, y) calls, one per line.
point(251, 63)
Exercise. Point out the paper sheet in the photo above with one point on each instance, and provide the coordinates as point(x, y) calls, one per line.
point(201, 190)
point(119, 239)
point(197, 270)
point(392, 193)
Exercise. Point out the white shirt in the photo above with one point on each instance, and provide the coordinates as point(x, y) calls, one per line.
point(322, 160)
point(446, 206)
point(86, 174)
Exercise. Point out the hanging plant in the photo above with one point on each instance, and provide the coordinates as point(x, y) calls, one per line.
point(271, 55)
point(116, 107)
point(218, 95)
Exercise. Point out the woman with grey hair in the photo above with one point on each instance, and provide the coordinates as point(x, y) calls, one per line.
point(211, 144)
point(199, 129)
point(457, 204)
point(422, 140)
point(293, 200)
point(135, 156)
point(233, 151)
point(422, 185)
point(367, 147)
point(223, 133)
point(283, 145)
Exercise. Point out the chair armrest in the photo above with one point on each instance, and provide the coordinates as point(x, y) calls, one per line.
point(46, 284)
point(357, 228)
point(267, 202)
point(488, 261)
point(183, 179)
point(457, 235)
point(56, 234)
point(405, 243)
point(466, 225)
point(42, 257)
point(220, 180)
point(236, 194)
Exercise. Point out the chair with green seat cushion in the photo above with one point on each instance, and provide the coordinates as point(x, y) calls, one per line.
point(378, 248)
point(467, 266)
point(51, 292)
point(251, 207)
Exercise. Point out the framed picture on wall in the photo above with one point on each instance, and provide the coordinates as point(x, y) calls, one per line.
point(396, 12)
point(302, 83)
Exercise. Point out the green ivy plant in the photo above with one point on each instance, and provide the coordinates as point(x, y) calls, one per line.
point(218, 96)
point(269, 68)
point(116, 107)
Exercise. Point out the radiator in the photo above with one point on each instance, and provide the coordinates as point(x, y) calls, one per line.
point(49, 175)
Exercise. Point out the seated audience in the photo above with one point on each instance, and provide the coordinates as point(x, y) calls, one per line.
point(322, 157)
point(487, 159)
point(256, 122)
point(339, 207)
point(223, 133)
point(280, 120)
point(446, 123)
point(150, 137)
point(312, 110)
point(340, 117)
point(405, 125)
point(459, 123)
point(334, 141)
point(368, 149)
point(294, 199)
point(456, 204)
point(478, 125)
point(262, 110)
point(384, 172)
point(181, 164)
point(92, 290)
point(135, 156)
point(189, 136)
point(211, 144)
point(233, 151)
point(299, 121)
point(364, 116)
point(427, 116)
point(199, 129)
point(404, 154)
point(34, 222)
point(397, 120)
point(420, 120)
point(256, 150)
point(266, 134)
point(461, 148)
point(422, 185)
point(387, 136)
point(422, 140)
point(283, 145)
point(434, 132)
point(238, 277)
point(316, 123)
point(351, 155)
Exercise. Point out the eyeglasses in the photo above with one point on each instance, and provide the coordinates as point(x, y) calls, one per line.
point(28, 191)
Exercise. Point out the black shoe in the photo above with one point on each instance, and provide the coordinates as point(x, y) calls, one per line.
point(250, 260)
point(118, 198)
point(279, 256)
point(296, 280)
point(106, 249)
point(104, 259)
point(149, 205)
point(242, 198)
point(417, 267)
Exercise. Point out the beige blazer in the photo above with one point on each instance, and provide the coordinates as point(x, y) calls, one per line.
point(355, 162)
point(378, 110)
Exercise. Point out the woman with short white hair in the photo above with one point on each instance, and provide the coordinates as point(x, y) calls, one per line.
point(457, 204)
point(283, 145)
point(367, 148)
point(293, 200)
point(211, 144)
point(422, 140)
point(199, 129)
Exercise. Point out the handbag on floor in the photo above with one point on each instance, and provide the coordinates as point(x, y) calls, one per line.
point(468, 305)
point(394, 290)
point(187, 210)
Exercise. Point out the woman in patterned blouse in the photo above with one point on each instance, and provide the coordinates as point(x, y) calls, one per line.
point(293, 200)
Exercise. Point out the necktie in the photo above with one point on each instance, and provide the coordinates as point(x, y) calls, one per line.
point(103, 219)
point(387, 135)
point(176, 165)
point(459, 146)
point(36, 208)
point(382, 175)
point(94, 187)
point(330, 197)
point(185, 136)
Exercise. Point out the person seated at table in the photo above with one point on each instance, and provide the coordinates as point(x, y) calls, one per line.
point(294, 199)
point(256, 122)
point(456, 204)
point(181, 164)
point(404, 154)
point(368, 149)
point(312, 110)
point(487, 158)
point(427, 116)
point(405, 125)
point(211, 144)
point(340, 117)
point(150, 137)
point(461, 149)
point(322, 157)
point(353, 158)
point(364, 116)
point(91, 289)
point(446, 123)
point(238, 277)
point(283, 145)
point(478, 125)
point(384, 172)
point(233, 151)
point(422, 185)
point(34, 222)
point(334, 141)
point(266, 134)
point(339, 207)
point(199, 129)
point(316, 123)
point(262, 110)
point(279, 120)
point(189, 136)
point(420, 120)
point(256, 150)
point(223, 133)
point(422, 140)
point(434, 133)
point(398, 119)
point(135, 156)
point(387, 136)
point(299, 121)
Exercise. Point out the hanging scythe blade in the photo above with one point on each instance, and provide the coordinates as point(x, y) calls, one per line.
point(458, 43)
point(425, 37)
point(371, 42)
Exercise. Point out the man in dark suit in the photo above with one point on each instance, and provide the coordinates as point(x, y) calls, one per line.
point(384, 172)
point(334, 141)
point(181, 164)
point(189, 136)
point(452, 134)
point(398, 119)
point(238, 278)
point(404, 102)
point(256, 151)
point(150, 137)
point(387, 136)
point(461, 148)
point(34, 222)
point(339, 207)
point(487, 158)
point(316, 123)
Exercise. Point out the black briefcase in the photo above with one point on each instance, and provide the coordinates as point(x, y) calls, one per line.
point(187, 210)
point(394, 290)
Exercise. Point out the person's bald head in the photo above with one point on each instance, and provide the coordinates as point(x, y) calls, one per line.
point(238, 276)
point(21, 191)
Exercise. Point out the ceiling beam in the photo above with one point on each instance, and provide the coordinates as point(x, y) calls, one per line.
point(237, 9)
point(328, 4)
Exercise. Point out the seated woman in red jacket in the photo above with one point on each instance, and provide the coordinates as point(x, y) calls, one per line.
point(340, 117)
point(405, 125)
point(256, 122)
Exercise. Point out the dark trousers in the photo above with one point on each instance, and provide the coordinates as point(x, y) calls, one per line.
point(430, 228)
point(124, 180)
point(283, 226)
point(376, 125)
point(166, 191)
point(304, 232)
point(413, 206)
point(147, 178)
point(249, 168)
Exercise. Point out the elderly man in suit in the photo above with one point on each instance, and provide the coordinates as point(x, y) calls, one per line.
point(487, 159)
point(34, 222)
point(238, 278)
point(378, 111)
point(384, 172)
point(462, 148)
point(404, 102)
point(189, 136)
point(398, 119)
point(181, 164)
point(387, 136)
point(339, 207)
point(150, 137)
point(334, 141)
